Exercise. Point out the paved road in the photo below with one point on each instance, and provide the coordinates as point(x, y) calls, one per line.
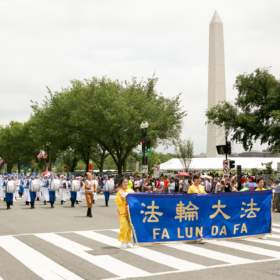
point(62, 243)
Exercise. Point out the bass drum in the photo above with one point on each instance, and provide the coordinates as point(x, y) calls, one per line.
point(35, 186)
point(111, 185)
point(11, 187)
point(55, 185)
point(75, 186)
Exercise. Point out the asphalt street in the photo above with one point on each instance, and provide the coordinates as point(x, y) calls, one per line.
point(62, 243)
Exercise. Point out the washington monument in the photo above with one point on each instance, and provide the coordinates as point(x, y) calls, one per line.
point(216, 81)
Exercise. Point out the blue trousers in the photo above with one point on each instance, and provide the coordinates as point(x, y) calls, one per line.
point(20, 190)
point(52, 196)
point(9, 197)
point(73, 196)
point(107, 195)
point(32, 196)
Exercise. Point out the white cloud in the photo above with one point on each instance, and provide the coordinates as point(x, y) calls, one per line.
point(48, 43)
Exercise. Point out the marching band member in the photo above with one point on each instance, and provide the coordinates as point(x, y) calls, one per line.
point(90, 187)
point(16, 180)
point(62, 190)
point(45, 191)
point(125, 227)
point(26, 193)
point(2, 192)
point(21, 183)
point(106, 189)
point(39, 193)
point(79, 193)
point(51, 193)
point(32, 194)
point(95, 193)
point(9, 196)
point(73, 195)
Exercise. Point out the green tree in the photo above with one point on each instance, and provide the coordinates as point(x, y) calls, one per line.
point(184, 150)
point(268, 168)
point(255, 114)
point(109, 113)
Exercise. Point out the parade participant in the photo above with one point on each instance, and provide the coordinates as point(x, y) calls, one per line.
point(78, 193)
point(9, 196)
point(2, 191)
point(125, 227)
point(197, 188)
point(51, 193)
point(90, 187)
point(39, 193)
point(45, 191)
point(62, 190)
point(26, 193)
point(106, 189)
point(95, 193)
point(17, 182)
point(73, 195)
point(21, 183)
point(32, 194)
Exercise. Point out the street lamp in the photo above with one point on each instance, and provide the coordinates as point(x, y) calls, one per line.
point(144, 127)
point(48, 155)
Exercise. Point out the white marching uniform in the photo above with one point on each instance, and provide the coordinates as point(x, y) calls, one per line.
point(94, 193)
point(16, 195)
point(2, 192)
point(45, 191)
point(62, 191)
point(26, 193)
point(39, 193)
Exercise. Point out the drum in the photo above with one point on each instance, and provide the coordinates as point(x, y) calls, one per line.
point(11, 187)
point(55, 185)
point(35, 185)
point(75, 186)
point(111, 185)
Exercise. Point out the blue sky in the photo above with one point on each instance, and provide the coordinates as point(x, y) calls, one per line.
point(48, 43)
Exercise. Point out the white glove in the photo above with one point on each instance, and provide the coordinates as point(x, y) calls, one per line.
point(124, 195)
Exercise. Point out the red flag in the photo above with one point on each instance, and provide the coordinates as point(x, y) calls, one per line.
point(90, 167)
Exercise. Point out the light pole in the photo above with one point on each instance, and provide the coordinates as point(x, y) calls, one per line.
point(48, 155)
point(144, 127)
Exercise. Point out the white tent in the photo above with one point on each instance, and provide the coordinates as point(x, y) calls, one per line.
point(217, 163)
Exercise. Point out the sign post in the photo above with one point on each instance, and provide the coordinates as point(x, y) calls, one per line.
point(239, 177)
point(144, 169)
point(225, 168)
point(156, 170)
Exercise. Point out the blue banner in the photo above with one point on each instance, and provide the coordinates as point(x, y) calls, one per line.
point(158, 218)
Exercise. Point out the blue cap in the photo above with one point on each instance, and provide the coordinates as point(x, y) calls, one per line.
point(51, 174)
point(33, 174)
point(72, 175)
point(106, 176)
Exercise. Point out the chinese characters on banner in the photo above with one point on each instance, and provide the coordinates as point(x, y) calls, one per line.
point(182, 217)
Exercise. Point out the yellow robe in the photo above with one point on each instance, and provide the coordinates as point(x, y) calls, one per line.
point(125, 227)
point(196, 189)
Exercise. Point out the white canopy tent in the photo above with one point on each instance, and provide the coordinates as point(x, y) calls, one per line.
point(217, 163)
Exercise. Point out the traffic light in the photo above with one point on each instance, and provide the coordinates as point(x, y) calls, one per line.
point(231, 164)
point(148, 146)
point(143, 146)
point(228, 148)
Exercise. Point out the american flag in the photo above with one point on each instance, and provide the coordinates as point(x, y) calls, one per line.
point(1, 161)
point(42, 154)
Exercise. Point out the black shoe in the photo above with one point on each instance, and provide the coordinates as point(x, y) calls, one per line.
point(77, 202)
point(52, 205)
point(12, 203)
point(4, 199)
point(89, 213)
point(32, 205)
point(61, 202)
point(93, 202)
point(107, 203)
point(45, 202)
point(27, 203)
point(8, 205)
point(72, 203)
point(38, 199)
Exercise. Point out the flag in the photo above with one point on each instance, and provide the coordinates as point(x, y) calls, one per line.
point(1, 161)
point(42, 154)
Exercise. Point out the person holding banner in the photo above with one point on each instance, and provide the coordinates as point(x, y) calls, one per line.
point(125, 227)
point(90, 187)
point(197, 188)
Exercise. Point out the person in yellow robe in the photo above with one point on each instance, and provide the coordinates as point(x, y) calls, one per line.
point(197, 188)
point(125, 227)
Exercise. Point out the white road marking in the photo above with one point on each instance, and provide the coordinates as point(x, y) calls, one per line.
point(35, 261)
point(106, 262)
point(274, 236)
point(267, 242)
point(275, 230)
point(144, 252)
point(276, 225)
point(247, 248)
point(210, 254)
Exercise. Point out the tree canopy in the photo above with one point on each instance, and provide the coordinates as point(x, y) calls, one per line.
point(255, 114)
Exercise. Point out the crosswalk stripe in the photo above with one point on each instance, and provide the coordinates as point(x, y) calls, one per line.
point(267, 242)
point(275, 229)
point(35, 261)
point(210, 254)
point(274, 236)
point(104, 261)
point(247, 248)
point(276, 225)
point(144, 252)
